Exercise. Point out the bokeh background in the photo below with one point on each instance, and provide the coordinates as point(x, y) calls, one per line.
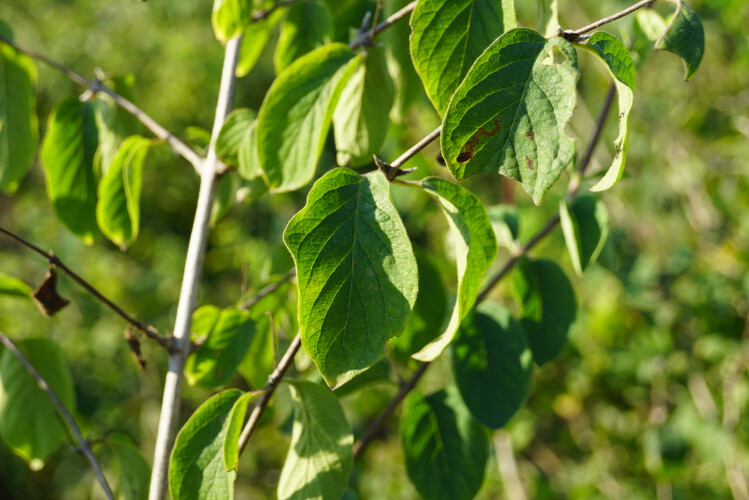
point(650, 399)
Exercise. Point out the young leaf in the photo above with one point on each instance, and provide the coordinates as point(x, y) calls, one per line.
point(585, 224)
point(29, 423)
point(361, 119)
point(356, 270)
point(448, 36)
point(230, 17)
point(547, 304)
point(685, 37)
point(196, 467)
point(509, 114)
point(132, 469)
point(236, 129)
point(13, 287)
point(475, 249)
point(216, 360)
point(617, 59)
point(294, 119)
point(445, 449)
point(19, 127)
point(234, 425)
point(68, 160)
point(118, 209)
point(254, 40)
point(307, 25)
point(493, 365)
point(547, 17)
point(321, 452)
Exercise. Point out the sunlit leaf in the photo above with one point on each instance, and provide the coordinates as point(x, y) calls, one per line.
point(230, 17)
point(13, 287)
point(236, 129)
point(307, 25)
point(585, 224)
point(255, 38)
point(235, 422)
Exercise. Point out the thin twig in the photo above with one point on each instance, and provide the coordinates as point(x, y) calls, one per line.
point(83, 445)
point(267, 290)
point(575, 35)
point(177, 145)
point(366, 37)
point(402, 159)
point(148, 330)
point(259, 16)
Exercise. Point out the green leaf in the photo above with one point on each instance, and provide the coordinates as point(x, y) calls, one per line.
point(506, 225)
point(29, 422)
point(617, 59)
point(445, 448)
point(113, 123)
point(254, 40)
point(307, 25)
point(216, 360)
point(685, 37)
point(230, 17)
point(118, 209)
point(493, 365)
point(547, 305)
point(13, 287)
point(19, 127)
point(357, 275)
point(226, 196)
point(361, 118)
point(547, 17)
point(407, 86)
point(448, 36)
point(248, 159)
point(131, 469)
point(196, 468)
point(321, 452)
point(509, 114)
point(475, 249)
point(585, 224)
point(234, 425)
point(236, 129)
point(68, 160)
point(295, 117)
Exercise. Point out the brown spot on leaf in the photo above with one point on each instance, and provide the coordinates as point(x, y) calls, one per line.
point(134, 345)
point(475, 138)
point(529, 161)
point(530, 135)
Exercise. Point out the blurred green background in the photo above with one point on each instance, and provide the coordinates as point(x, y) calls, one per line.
point(648, 401)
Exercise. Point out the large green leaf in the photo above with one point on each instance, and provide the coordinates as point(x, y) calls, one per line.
point(361, 119)
point(356, 271)
point(68, 160)
point(685, 37)
point(493, 365)
point(295, 117)
point(321, 453)
point(509, 114)
point(448, 36)
point(445, 448)
point(216, 360)
point(617, 59)
point(19, 128)
point(13, 287)
point(307, 25)
point(29, 422)
point(197, 469)
point(585, 224)
point(129, 467)
point(548, 307)
point(230, 17)
point(475, 249)
point(255, 38)
point(118, 209)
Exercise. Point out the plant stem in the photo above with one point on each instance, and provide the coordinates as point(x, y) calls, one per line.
point(188, 295)
point(366, 38)
point(402, 159)
point(83, 446)
point(177, 145)
point(148, 330)
point(574, 35)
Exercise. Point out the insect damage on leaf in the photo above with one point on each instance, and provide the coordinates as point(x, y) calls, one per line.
point(474, 141)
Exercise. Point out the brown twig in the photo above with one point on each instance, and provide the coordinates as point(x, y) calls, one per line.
point(83, 445)
point(575, 35)
point(148, 330)
point(177, 145)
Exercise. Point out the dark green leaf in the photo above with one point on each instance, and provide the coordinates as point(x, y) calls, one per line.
point(295, 117)
point(475, 249)
point(493, 365)
point(585, 224)
point(445, 448)
point(448, 36)
point(226, 196)
point(509, 114)
point(68, 160)
point(307, 25)
point(230, 17)
point(29, 422)
point(356, 271)
point(236, 129)
point(321, 452)
point(378, 372)
point(685, 37)
point(118, 209)
point(548, 307)
point(13, 287)
point(196, 468)
point(132, 470)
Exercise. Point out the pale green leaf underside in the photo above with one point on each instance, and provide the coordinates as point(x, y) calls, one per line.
point(585, 226)
point(230, 17)
point(118, 208)
point(475, 249)
point(356, 270)
point(294, 119)
point(448, 36)
point(547, 17)
point(508, 115)
point(685, 37)
point(13, 287)
point(613, 53)
point(307, 25)
point(321, 453)
point(233, 133)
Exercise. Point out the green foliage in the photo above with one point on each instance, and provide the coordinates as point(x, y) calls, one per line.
point(230, 17)
point(585, 225)
point(307, 25)
point(13, 287)
point(130, 468)
point(685, 37)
